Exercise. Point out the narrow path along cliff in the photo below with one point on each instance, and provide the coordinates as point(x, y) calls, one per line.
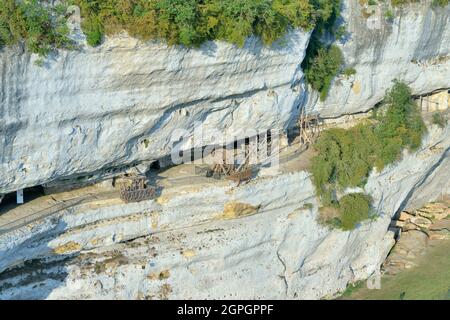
point(356, 93)
point(200, 228)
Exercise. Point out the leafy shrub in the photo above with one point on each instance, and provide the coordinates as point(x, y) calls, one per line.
point(322, 63)
point(191, 22)
point(349, 72)
point(354, 208)
point(321, 69)
point(340, 32)
point(93, 30)
point(439, 120)
point(42, 28)
point(400, 127)
point(345, 158)
point(389, 15)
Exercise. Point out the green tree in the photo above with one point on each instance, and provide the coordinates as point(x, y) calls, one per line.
point(41, 28)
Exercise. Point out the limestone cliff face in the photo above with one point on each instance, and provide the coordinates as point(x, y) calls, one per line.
point(116, 105)
point(97, 109)
point(92, 111)
point(414, 48)
point(213, 240)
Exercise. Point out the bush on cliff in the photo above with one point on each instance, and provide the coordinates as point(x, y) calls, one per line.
point(42, 28)
point(186, 22)
point(401, 126)
point(323, 62)
point(345, 158)
point(321, 69)
point(191, 22)
point(353, 208)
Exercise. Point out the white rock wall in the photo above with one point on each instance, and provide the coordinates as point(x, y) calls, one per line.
point(414, 48)
point(92, 109)
point(278, 252)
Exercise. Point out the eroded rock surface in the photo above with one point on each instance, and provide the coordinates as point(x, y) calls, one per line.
point(412, 48)
point(102, 108)
point(210, 239)
point(92, 111)
point(429, 224)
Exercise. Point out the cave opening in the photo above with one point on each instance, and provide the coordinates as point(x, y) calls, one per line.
point(10, 199)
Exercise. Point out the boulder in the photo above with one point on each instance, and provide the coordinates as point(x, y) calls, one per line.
point(405, 216)
point(410, 226)
point(439, 235)
point(425, 214)
point(422, 222)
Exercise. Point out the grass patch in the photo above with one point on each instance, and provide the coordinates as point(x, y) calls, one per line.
point(352, 287)
point(348, 72)
point(429, 280)
point(440, 3)
point(307, 206)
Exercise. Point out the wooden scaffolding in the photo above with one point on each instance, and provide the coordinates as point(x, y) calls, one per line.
point(309, 126)
point(235, 172)
point(134, 189)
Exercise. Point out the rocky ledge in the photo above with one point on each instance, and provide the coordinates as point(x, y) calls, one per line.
point(203, 238)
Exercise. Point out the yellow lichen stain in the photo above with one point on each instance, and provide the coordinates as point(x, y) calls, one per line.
point(238, 209)
point(162, 200)
point(229, 191)
point(292, 215)
point(97, 241)
point(193, 189)
point(117, 259)
point(155, 219)
point(435, 149)
point(188, 253)
point(152, 276)
point(165, 274)
point(68, 247)
point(356, 87)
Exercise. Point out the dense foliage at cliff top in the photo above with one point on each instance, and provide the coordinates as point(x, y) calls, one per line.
point(187, 22)
point(41, 28)
point(346, 157)
point(191, 22)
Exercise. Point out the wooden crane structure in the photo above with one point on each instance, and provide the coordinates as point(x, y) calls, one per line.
point(235, 172)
